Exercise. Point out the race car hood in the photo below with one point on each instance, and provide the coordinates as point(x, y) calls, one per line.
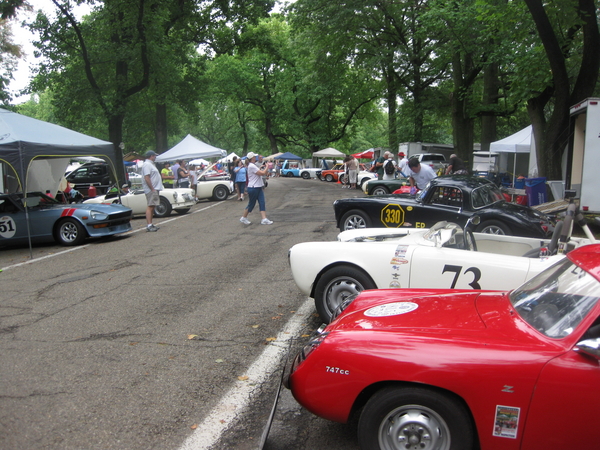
point(100, 207)
point(414, 310)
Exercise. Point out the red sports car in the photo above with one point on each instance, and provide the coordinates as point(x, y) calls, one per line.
point(462, 370)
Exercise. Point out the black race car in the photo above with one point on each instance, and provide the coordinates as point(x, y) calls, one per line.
point(454, 198)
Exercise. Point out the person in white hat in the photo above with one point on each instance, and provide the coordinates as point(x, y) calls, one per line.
point(255, 190)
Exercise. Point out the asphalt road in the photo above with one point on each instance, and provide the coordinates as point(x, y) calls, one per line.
point(138, 342)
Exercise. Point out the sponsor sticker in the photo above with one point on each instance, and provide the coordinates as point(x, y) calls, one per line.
point(391, 309)
point(506, 423)
point(397, 260)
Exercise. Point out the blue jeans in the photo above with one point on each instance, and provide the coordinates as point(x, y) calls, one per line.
point(255, 194)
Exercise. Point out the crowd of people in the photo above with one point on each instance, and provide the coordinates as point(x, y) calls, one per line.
point(249, 174)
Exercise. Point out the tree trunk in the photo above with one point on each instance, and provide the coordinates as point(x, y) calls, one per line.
point(271, 136)
point(115, 133)
point(392, 113)
point(490, 101)
point(160, 130)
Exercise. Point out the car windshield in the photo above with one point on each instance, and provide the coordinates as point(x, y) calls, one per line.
point(556, 301)
point(485, 195)
point(38, 199)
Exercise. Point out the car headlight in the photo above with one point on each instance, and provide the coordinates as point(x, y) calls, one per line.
point(97, 215)
point(187, 197)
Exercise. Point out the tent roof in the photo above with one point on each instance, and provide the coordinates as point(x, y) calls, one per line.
point(25, 139)
point(520, 142)
point(328, 153)
point(191, 148)
point(16, 127)
point(288, 155)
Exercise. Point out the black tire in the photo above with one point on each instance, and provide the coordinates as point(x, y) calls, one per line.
point(380, 190)
point(414, 418)
point(329, 177)
point(289, 174)
point(220, 193)
point(164, 209)
point(182, 211)
point(354, 219)
point(335, 285)
point(305, 175)
point(342, 178)
point(70, 232)
point(493, 227)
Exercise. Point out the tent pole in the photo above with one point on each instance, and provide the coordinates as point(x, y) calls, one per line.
point(25, 202)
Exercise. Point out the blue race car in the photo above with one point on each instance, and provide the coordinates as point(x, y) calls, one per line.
point(50, 220)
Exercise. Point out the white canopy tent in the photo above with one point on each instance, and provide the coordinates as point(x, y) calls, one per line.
point(521, 142)
point(191, 148)
point(328, 153)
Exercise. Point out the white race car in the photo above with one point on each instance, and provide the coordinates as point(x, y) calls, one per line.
point(178, 200)
point(310, 172)
point(214, 187)
point(445, 256)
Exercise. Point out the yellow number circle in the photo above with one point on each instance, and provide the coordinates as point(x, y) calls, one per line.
point(392, 216)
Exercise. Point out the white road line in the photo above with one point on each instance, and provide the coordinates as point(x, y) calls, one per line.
point(41, 258)
point(238, 398)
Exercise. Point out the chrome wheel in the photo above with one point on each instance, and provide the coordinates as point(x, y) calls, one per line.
point(336, 285)
point(414, 427)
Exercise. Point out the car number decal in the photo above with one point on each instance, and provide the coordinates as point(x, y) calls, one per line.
point(506, 422)
point(8, 227)
point(391, 309)
point(457, 269)
point(392, 216)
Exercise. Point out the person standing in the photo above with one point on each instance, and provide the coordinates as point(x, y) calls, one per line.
point(240, 179)
point(379, 162)
point(352, 171)
point(456, 166)
point(193, 176)
point(174, 170)
point(420, 175)
point(403, 165)
point(255, 176)
point(389, 167)
point(167, 176)
point(183, 176)
point(152, 184)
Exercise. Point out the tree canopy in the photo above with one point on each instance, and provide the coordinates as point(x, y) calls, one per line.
point(353, 74)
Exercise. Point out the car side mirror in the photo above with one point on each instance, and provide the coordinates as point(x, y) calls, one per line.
point(589, 347)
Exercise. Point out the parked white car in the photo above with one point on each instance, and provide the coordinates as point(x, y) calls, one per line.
point(445, 256)
point(214, 187)
point(362, 177)
point(178, 200)
point(310, 172)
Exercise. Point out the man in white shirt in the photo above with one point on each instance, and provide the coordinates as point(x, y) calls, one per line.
point(420, 175)
point(403, 165)
point(152, 184)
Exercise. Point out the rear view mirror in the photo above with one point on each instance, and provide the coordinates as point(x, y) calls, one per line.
point(590, 347)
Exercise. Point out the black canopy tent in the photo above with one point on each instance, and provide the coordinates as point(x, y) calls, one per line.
point(38, 152)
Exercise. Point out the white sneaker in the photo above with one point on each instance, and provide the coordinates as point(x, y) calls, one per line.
point(245, 221)
point(266, 222)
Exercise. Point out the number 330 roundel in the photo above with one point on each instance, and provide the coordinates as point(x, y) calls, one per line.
point(8, 227)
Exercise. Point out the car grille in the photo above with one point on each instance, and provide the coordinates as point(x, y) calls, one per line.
point(120, 215)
